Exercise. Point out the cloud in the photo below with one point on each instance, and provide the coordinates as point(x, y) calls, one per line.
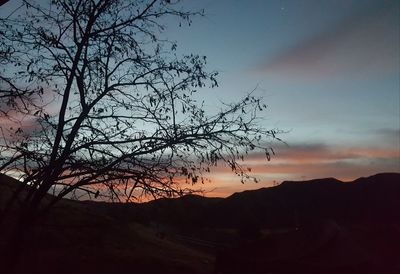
point(363, 42)
point(307, 161)
point(8, 126)
point(323, 153)
point(319, 152)
point(389, 136)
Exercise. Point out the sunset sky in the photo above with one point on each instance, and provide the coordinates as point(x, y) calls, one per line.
point(328, 70)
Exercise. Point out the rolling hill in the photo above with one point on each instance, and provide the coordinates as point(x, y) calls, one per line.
point(365, 200)
point(308, 224)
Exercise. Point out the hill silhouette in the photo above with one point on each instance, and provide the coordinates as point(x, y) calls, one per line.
point(365, 200)
point(315, 226)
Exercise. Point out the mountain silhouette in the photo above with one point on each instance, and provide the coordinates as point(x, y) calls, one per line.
point(321, 226)
point(365, 200)
point(292, 203)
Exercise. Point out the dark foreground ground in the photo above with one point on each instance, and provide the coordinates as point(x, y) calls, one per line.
point(320, 226)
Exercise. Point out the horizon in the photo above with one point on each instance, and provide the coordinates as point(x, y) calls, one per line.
point(146, 199)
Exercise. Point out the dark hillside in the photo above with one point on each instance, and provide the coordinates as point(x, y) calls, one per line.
point(317, 226)
point(365, 200)
point(89, 237)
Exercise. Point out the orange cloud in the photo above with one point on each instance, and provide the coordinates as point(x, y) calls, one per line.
point(300, 162)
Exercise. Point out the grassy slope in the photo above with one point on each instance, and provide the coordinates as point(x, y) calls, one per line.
point(79, 238)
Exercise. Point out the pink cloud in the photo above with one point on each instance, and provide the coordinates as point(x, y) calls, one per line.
point(9, 125)
point(300, 162)
point(364, 42)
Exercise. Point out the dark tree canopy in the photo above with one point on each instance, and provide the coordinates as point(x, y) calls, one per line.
point(110, 103)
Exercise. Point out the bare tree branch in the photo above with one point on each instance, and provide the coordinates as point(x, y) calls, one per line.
point(123, 120)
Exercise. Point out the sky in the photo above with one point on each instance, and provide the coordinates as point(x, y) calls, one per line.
point(328, 71)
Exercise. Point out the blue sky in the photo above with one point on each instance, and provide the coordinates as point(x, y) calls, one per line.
point(329, 71)
point(325, 68)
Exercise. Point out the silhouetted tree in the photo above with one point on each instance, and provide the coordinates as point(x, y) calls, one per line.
point(110, 105)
